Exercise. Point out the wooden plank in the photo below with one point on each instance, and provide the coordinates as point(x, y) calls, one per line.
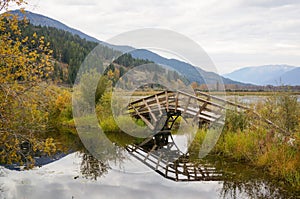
point(158, 103)
point(200, 110)
point(193, 113)
point(167, 101)
point(158, 94)
point(176, 101)
point(143, 108)
point(144, 119)
point(150, 111)
point(187, 105)
point(159, 159)
point(166, 172)
point(150, 153)
point(207, 118)
point(176, 173)
point(151, 102)
point(201, 100)
point(222, 100)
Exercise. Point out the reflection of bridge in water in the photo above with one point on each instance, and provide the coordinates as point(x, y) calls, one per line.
point(162, 155)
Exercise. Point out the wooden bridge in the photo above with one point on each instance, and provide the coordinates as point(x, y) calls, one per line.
point(169, 105)
point(160, 111)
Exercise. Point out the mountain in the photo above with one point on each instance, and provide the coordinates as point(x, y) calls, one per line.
point(189, 71)
point(291, 77)
point(260, 75)
point(40, 20)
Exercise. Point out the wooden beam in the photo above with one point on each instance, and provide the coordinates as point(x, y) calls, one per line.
point(144, 119)
point(222, 100)
point(158, 94)
point(200, 110)
point(158, 103)
point(201, 100)
point(187, 105)
point(167, 101)
point(150, 111)
point(176, 101)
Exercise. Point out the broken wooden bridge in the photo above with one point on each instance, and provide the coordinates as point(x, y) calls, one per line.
point(160, 111)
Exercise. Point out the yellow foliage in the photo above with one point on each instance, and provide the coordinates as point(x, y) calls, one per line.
point(110, 74)
point(24, 66)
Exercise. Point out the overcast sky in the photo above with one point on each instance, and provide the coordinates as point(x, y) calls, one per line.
point(234, 33)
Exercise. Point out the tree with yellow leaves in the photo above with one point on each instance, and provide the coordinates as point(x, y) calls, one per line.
point(24, 65)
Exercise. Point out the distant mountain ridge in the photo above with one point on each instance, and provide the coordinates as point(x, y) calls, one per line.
point(189, 71)
point(291, 78)
point(263, 75)
point(41, 20)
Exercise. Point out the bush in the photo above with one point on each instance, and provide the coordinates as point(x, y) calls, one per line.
point(60, 107)
point(283, 110)
point(236, 121)
point(109, 125)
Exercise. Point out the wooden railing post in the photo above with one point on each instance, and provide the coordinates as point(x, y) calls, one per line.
point(167, 100)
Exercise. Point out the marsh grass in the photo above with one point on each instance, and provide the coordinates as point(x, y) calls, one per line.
point(247, 139)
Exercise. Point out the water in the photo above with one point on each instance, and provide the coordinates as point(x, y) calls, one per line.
point(250, 99)
point(120, 174)
point(64, 179)
point(56, 180)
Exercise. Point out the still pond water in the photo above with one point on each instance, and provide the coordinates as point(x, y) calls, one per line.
point(122, 174)
point(251, 99)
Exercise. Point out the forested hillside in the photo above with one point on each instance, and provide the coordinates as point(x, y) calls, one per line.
point(69, 50)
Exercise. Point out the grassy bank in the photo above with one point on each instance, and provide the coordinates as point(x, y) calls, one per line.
point(248, 140)
point(255, 147)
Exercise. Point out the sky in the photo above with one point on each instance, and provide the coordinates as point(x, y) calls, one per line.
point(234, 33)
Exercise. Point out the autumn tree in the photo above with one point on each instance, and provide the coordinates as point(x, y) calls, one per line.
point(24, 65)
